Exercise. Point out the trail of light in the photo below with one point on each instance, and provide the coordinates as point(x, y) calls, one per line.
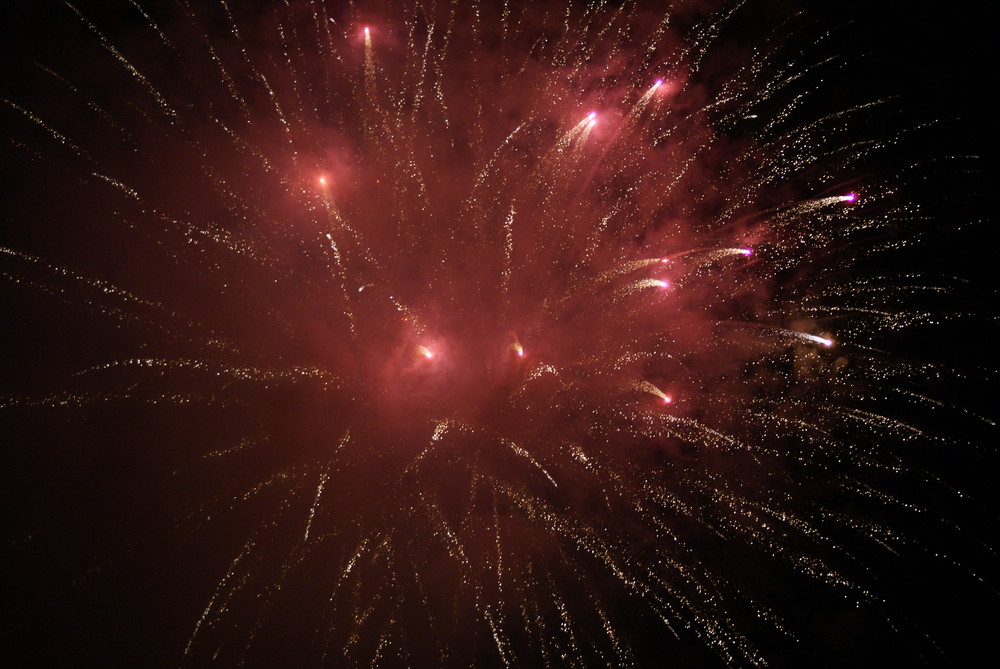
point(641, 284)
point(823, 341)
point(312, 510)
point(647, 387)
point(710, 253)
point(136, 74)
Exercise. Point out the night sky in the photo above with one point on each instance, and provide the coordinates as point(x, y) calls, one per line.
point(319, 352)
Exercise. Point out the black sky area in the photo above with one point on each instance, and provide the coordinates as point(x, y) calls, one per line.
point(65, 605)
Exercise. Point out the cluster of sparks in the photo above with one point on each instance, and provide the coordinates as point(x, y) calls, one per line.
point(559, 332)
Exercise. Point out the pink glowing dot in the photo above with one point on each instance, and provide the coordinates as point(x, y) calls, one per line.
point(746, 252)
point(322, 181)
point(366, 31)
point(850, 197)
point(668, 399)
point(658, 82)
point(664, 284)
point(520, 352)
point(664, 260)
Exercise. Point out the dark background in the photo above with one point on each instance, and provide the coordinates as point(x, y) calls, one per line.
point(58, 610)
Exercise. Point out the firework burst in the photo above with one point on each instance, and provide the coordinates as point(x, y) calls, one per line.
point(472, 334)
